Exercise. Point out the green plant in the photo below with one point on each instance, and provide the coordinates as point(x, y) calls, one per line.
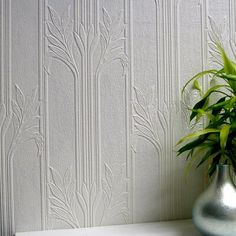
point(215, 142)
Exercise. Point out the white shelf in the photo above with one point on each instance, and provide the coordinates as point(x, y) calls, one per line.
point(170, 228)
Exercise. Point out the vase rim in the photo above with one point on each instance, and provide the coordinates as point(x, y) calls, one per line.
point(223, 164)
point(223, 167)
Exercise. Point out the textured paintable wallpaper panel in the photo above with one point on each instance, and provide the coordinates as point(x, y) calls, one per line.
point(91, 109)
point(24, 69)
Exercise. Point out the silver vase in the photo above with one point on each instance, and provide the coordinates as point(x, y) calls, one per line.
point(214, 212)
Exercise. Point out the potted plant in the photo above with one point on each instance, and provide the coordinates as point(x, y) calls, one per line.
point(217, 105)
point(215, 144)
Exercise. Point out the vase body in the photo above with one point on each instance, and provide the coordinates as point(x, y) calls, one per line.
point(214, 212)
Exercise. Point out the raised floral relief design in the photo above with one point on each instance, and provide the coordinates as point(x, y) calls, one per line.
point(25, 120)
point(217, 33)
point(88, 51)
point(146, 117)
point(59, 38)
point(114, 194)
point(155, 124)
point(63, 198)
point(62, 38)
point(20, 119)
point(66, 203)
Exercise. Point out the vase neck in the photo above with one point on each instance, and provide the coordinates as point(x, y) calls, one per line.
point(222, 174)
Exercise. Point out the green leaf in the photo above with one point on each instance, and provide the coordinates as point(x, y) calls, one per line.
point(194, 155)
point(224, 132)
point(197, 106)
point(204, 101)
point(214, 89)
point(190, 154)
point(229, 67)
point(228, 76)
point(198, 76)
point(217, 107)
point(231, 103)
point(197, 86)
point(219, 121)
point(197, 134)
point(202, 113)
point(190, 164)
point(192, 145)
point(213, 165)
point(209, 155)
point(233, 124)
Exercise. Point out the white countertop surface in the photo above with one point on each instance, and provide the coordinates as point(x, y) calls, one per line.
point(169, 228)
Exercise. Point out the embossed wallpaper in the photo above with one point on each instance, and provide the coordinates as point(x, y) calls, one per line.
point(90, 108)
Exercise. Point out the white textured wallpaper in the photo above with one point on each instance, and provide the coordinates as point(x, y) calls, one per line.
point(90, 109)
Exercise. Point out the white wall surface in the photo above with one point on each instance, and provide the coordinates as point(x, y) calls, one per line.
point(91, 109)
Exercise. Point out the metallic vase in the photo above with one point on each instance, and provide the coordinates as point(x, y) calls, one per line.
point(214, 212)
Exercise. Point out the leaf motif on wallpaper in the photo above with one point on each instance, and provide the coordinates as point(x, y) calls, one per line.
point(59, 36)
point(112, 40)
point(86, 43)
point(2, 114)
point(5, 121)
point(111, 197)
point(88, 200)
point(155, 124)
point(110, 36)
point(77, 52)
point(62, 200)
point(218, 33)
point(65, 201)
point(114, 197)
point(147, 118)
point(19, 123)
point(25, 120)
